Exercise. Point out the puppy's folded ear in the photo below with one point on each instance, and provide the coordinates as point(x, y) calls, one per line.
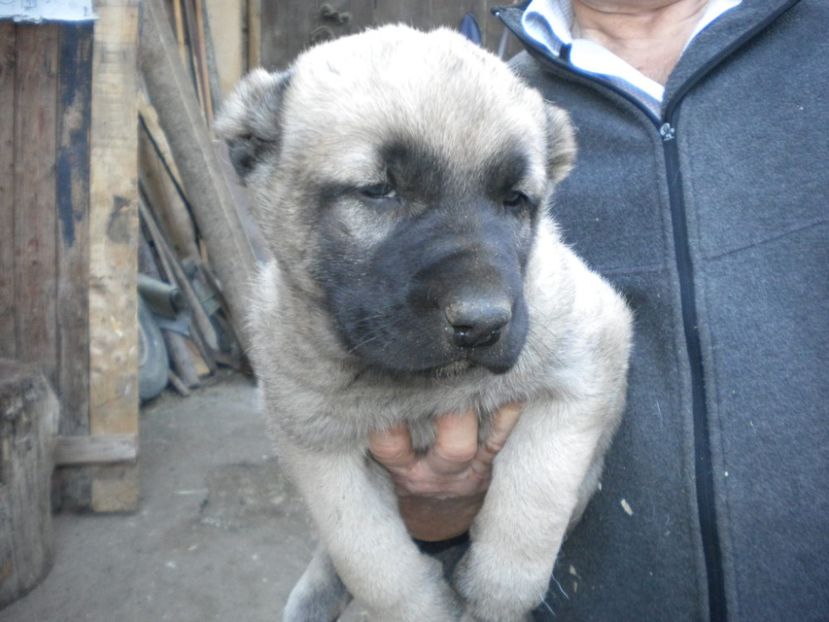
point(249, 120)
point(561, 143)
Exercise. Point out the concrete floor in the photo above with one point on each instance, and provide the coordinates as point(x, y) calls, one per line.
point(220, 535)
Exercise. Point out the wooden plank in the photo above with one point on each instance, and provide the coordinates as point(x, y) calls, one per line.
point(8, 58)
point(72, 195)
point(212, 70)
point(285, 31)
point(227, 25)
point(113, 448)
point(180, 357)
point(178, 20)
point(362, 15)
point(178, 384)
point(113, 230)
point(201, 56)
point(163, 195)
point(34, 204)
point(417, 14)
point(175, 275)
point(255, 40)
point(192, 52)
point(149, 117)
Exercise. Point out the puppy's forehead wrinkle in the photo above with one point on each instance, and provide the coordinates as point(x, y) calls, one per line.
point(396, 78)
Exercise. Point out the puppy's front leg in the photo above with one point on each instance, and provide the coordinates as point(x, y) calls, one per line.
point(356, 513)
point(535, 487)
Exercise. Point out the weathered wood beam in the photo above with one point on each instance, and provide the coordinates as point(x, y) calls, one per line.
point(108, 449)
point(113, 225)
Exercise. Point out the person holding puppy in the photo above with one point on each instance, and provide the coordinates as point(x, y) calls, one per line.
point(701, 192)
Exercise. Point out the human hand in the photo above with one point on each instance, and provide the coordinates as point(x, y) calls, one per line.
point(440, 493)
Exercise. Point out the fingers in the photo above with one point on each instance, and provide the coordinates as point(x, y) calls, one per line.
point(455, 449)
point(456, 441)
point(502, 424)
point(393, 447)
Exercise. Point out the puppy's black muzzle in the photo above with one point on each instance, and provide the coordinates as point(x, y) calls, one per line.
point(477, 318)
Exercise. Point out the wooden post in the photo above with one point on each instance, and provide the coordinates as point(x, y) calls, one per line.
point(225, 19)
point(34, 197)
point(254, 20)
point(28, 424)
point(113, 224)
point(72, 206)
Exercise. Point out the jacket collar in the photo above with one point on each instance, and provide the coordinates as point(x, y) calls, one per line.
point(709, 48)
point(730, 32)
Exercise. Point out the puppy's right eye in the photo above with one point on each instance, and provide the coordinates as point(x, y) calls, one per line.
point(379, 191)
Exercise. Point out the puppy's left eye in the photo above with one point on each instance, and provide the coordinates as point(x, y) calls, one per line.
point(379, 191)
point(516, 200)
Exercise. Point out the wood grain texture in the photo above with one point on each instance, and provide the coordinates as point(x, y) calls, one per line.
point(114, 448)
point(28, 422)
point(72, 196)
point(8, 63)
point(287, 27)
point(162, 194)
point(254, 32)
point(113, 230)
point(227, 25)
point(149, 118)
point(34, 202)
point(201, 55)
point(285, 31)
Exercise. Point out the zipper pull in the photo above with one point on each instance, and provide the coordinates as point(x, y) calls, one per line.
point(667, 132)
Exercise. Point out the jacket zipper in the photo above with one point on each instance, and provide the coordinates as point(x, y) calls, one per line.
point(703, 468)
point(703, 471)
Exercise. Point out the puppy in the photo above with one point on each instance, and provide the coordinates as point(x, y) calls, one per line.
point(401, 180)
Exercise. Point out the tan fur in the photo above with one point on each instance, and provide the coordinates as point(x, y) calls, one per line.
point(345, 97)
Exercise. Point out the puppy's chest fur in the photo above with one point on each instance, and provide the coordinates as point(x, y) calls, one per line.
point(341, 412)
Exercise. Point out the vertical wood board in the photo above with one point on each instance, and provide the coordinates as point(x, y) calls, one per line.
point(227, 27)
point(8, 56)
point(160, 190)
point(254, 32)
point(285, 31)
point(34, 212)
point(113, 231)
point(72, 190)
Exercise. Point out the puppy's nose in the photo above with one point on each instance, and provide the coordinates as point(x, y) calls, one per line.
point(477, 322)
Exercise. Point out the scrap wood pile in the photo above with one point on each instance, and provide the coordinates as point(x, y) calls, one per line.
point(198, 244)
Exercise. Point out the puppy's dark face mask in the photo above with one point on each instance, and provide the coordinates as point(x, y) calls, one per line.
point(423, 266)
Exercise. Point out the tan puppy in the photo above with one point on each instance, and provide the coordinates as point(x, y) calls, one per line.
point(401, 180)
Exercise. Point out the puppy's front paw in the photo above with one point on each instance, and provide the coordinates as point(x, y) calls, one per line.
point(315, 603)
point(498, 589)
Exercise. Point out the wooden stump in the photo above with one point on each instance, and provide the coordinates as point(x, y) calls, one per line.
point(28, 425)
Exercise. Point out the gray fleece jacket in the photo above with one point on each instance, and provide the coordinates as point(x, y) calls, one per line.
point(712, 220)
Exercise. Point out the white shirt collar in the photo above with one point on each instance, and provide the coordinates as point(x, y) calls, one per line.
point(549, 23)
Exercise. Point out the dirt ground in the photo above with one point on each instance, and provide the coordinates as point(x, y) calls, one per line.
point(220, 535)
